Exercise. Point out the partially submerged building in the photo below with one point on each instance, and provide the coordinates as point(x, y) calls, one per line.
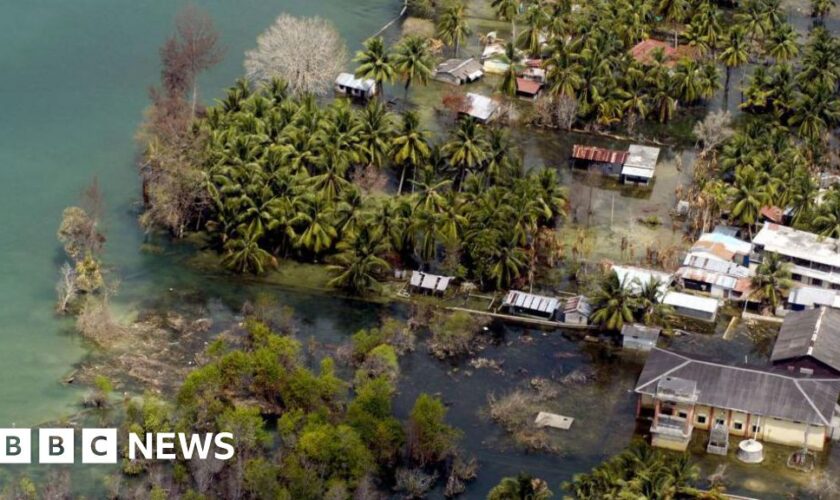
point(530, 304)
point(692, 306)
point(528, 89)
point(479, 107)
point(577, 310)
point(429, 283)
point(639, 337)
point(718, 278)
point(459, 71)
point(640, 165)
point(680, 394)
point(608, 161)
point(815, 260)
point(361, 88)
point(809, 343)
point(721, 246)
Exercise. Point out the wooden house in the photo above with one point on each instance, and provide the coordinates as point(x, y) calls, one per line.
point(360, 88)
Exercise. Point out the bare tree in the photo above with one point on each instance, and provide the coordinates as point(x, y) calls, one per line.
point(565, 111)
point(306, 52)
point(713, 130)
point(66, 287)
point(192, 49)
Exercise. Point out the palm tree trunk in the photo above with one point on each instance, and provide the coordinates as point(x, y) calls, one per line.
point(405, 94)
point(726, 88)
point(194, 97)
point(402, 178)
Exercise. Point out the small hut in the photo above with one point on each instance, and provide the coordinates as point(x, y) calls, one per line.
point(459, 71)
point(577, 310)
point(350, 86)
point(639, 337)
point(609, 161)
point(429, 283)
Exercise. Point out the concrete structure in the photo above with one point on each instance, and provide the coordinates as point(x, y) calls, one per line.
point(809, 343)
point(808, 297)
point(480, 107)
point(517, 302)
point(577, 310)
point(639, 337)
point(692, 306)
point(459, 71)
point(347, 84)
point(680, 394)
point(816, 261)
point(640, 165)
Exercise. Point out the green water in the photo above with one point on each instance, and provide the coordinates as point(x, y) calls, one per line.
point(72, 92)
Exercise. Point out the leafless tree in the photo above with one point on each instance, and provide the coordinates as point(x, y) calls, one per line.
point(306, 52)
point(713, 130)
point(192, 49)
point(66, 287)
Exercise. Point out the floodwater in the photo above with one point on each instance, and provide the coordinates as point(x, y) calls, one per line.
point(74, 87)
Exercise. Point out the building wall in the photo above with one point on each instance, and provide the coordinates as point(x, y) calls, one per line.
point(792, 433)
point(772, 430)
point(794, 366)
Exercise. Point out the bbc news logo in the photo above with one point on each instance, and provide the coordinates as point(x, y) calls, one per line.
point(101, 446)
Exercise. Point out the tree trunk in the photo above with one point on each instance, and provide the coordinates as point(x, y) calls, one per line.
point(405, 94)
point(402, 178)
point(194, 97)
point(726, 88)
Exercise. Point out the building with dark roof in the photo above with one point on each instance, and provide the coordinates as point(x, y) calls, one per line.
point(459, 71)
point(681, 393)
point(809, 343)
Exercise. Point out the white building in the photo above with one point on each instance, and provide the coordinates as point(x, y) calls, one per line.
point(480, 107)
point(347, 84)
point(692, 306)
point(815, 260)
point(635, 278)
point(640, 165)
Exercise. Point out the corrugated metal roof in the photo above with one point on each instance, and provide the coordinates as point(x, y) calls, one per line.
point(700, 260)
point(748, 390)
point(481, 107)
point(349, 80)
point(428, 281)
point(640, 331)
point(814, 333)
point(693, 302)
point(531, 302)
point(602, 155)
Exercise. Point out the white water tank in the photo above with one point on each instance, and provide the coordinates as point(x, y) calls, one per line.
point(750, 451)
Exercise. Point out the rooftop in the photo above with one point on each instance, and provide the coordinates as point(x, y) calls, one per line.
point(481, 107)
point(640, 331)
point(531, 302)
point(349, 80)
point(640, 161)
point(602, 155)
point(637, 277)
point(748, 390)
point(462, 68)
point(526, 86)
point(693, 302)
point(803, 245)
point(814, 333)
point(812, 296)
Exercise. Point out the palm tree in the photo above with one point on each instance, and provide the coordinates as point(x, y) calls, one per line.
point(243, 254)
point(827, 220)
point(563, 73)
point(530, 40)
point(452, 25)
point(772, 279)
point(735, 52)
point(513, 60)
point(673, 11)
point(613, 303)
point(377, 133)
point(466, 149)
point(413, 61)
point(358, 263)
point(748, 195)
point(782, 44)
point(821, 8)
point(687, 80)
point(653, 310)
point(410, 146)
point(375, 63)
point(507, 262)
point(815, 112)
point(507, 10)
point(522, 487)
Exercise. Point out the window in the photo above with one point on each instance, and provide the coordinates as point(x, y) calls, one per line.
point(738, 426)
point(682, 414)
point(720, 421)
point(756, 428)
point(701, 419)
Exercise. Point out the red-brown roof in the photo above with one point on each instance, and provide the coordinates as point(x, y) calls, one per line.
point(602, 155)
point(773, 214)
point(527, 86)
point(643, 51)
